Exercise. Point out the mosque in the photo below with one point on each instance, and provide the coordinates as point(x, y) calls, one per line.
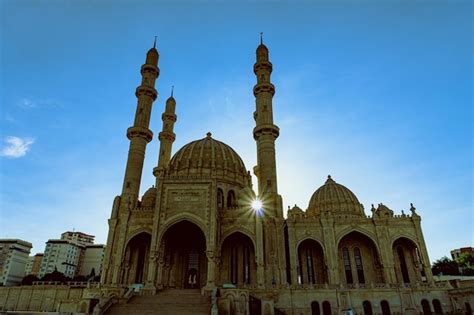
point(202, 240)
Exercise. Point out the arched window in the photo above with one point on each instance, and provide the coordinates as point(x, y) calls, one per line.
point(309, 264)
point(367, 308)
point(468, 309)
point(437, 307)
point(230, 199)
point(403, 265)
point(220, 199)
point(359, 266)
point(385, 308)
point(315, 308)
point(425, 305)
point(326, 308)
point(347, 265)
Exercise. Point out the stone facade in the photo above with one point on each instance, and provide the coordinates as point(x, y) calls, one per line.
point(195, 228)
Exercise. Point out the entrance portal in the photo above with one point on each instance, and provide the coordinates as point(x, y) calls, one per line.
point(185, 256)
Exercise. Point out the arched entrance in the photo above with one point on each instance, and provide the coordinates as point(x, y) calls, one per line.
point(136, 259)
point(407, 262)
point(311, 267)
point(359, 259)
point(185, 261)
point(238, 260)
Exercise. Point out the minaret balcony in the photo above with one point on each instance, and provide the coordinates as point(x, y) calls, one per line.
point(266, 129)
point(147, 68)
point(136, 131)
point(264, 88)
point(169, 136)
point(167, 116)
point(262, 66)
point(144, 90)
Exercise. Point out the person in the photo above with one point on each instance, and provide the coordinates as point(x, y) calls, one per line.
point(192, 278)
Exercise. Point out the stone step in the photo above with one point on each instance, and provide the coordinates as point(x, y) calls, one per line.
point(167, 302)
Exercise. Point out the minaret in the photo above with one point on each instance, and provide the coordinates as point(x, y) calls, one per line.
point(265, 132)
point(139, 134)
point(167, 135)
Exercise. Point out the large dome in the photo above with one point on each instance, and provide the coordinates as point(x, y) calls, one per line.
point(209, 156)
point(335, 198)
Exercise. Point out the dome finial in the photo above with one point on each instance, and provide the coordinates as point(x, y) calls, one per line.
point(154, 43)
point(172, 90)
point(329, 180)
point(208, 134)
point(261, 38)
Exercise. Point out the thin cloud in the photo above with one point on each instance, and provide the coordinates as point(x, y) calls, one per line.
point(27, 103)
point(16, 147)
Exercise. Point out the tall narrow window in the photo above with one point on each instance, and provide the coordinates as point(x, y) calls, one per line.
point(468, 308)
point(347, 265)
point(425, 305)
point(300, 269)
point(438, 310)
point(403, 265)
point(309, 264)
point(359, 266)
point(315, 308)
point(385, 308)
point(326, 308)
point(230, 199)
point(220, 199)
point(246, 265)
point(367, 308)
point(233, 265)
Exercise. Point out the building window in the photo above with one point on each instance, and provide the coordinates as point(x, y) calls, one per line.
point(234, 265)
point(367, 308)
point(425, 305)
point(230, 199)
point(403, 264)
point(359, 266)
point(347, 265)
point(246, 266)
point(437, 307)
point(220, 199)
point(385, 308)
point(326, 308)
point(315, 308)
point(309, 264)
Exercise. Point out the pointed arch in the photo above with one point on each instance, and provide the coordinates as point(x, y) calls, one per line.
point(238, 264)
point(178, 218)
point(359, 259)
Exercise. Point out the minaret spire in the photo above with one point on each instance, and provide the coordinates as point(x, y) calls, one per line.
point(166, 136)
point(265, 132)
point(139, 134)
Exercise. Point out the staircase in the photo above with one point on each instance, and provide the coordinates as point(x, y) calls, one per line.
point(167, 302)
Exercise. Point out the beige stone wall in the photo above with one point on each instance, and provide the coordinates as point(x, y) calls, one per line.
point(48, 298)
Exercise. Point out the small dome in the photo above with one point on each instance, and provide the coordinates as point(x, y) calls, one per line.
point(149, 197)
point(209, 156)
point(262, 48)
point(335, 198)
point(152, 56)
point(171, 100)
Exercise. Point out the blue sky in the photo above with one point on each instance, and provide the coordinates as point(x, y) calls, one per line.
point(376, 93)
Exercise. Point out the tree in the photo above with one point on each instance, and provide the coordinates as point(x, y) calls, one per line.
point(29, 279)
point(466, 263)
point(445, 266)
point(55, 276)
